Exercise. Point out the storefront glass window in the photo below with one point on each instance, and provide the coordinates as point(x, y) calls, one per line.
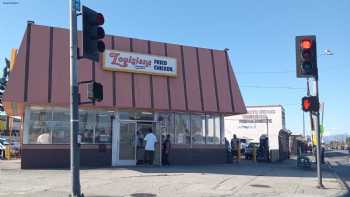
point(211, 130)
point(136, 115)
point(52, 126)
point(182, 129)
point(87, 120)
point(166, 124)
point(198, 129)
point(60, 127)
point(217, 134)
point(39, 130)
point(103, 130)
point(213, 134)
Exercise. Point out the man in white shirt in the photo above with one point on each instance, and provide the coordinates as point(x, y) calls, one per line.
point(44, 138)
point(151, 140)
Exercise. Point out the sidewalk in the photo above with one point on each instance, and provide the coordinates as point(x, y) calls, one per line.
point(244, 179)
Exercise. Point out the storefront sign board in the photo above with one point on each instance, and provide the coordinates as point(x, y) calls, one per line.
point(115, 60)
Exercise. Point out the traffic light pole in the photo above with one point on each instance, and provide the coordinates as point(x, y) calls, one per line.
point(316, 117)
point(309, 94)
point(74, 107)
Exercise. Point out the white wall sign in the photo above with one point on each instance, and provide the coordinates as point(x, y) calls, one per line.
point(115, 60)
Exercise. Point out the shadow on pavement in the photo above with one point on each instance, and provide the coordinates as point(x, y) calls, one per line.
point(286, 168)
point(336, 154)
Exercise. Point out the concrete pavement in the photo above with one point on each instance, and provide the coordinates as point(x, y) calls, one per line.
point(244, 179)
point(339, 162)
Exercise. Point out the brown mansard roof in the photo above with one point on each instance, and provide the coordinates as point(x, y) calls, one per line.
point(205, 80)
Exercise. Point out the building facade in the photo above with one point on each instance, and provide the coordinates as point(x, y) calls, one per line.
point(261, 120)
point(172, 89)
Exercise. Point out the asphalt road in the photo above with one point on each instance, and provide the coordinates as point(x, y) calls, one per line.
point(340, 163)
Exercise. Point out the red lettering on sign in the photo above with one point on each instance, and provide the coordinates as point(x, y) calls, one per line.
point(124, 61)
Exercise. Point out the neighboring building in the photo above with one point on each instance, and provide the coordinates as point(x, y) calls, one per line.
point(173, 89)
point(261, 120)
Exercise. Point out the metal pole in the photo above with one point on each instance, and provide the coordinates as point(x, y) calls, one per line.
point(322, 113)
point(267, 126)
point(316, 116)
point(309, 94)
point(74, 116)
point(304, 125)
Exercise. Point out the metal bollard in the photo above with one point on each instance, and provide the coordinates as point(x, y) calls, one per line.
point(8, 152)
point(254, 154)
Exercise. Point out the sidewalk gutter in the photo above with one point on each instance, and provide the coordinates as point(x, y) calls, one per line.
point(340, 180)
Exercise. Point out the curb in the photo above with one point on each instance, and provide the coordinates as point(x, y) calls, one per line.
point(339, 179)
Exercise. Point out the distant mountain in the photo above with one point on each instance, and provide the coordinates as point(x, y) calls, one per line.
point(339, 137)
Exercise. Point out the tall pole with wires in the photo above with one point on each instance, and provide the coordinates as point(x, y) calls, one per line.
point(74, 105)
point(306, 67)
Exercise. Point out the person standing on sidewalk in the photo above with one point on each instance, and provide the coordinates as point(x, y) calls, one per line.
point(235, 148)
point(228, 151)
point(166, 147)
point(151, 140)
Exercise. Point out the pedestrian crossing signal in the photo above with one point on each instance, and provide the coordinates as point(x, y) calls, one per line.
point(310, 104)
point(95, 91)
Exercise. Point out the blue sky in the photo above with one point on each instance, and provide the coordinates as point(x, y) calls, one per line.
point(259, 34)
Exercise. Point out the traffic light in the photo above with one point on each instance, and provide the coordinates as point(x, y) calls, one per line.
point(95, 91)
point(306, 56)
point(310, 104)
point(92, 34)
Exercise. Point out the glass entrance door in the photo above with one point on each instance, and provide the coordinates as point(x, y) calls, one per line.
point(128, 147)
point(127, 143)
point(142, 130)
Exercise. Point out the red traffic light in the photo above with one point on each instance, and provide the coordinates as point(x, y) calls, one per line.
point(92, 33)
point(100, 20)
point(306, 56)
point(306, 44)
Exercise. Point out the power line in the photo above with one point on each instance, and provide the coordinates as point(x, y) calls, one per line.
point(265, 72)
point(272, 87)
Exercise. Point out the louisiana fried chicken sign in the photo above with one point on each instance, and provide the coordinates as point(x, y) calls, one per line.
point(115, 60)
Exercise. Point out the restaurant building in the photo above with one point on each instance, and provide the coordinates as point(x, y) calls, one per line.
point(173, 89)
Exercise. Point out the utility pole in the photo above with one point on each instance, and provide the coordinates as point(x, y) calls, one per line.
point(304, 132)
point(306, 67)
point(309, 94)
point(74, 105)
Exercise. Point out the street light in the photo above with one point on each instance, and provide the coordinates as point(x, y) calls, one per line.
point(327, 52)
point(267, 126)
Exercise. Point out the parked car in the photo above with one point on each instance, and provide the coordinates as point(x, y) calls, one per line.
point(2, 147)
point(15, 146)
point(249, 150)
point(3, 143)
